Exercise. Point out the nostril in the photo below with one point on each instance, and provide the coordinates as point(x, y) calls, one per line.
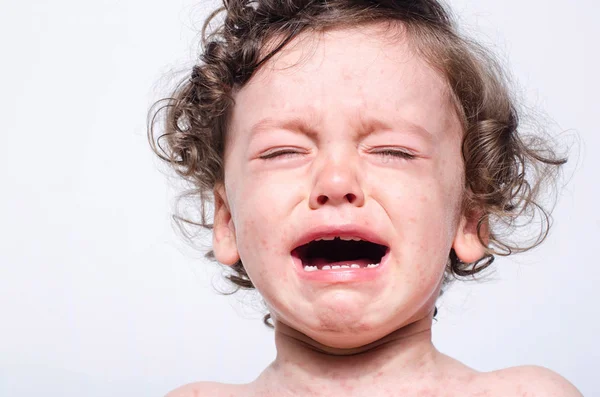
point(351, 197)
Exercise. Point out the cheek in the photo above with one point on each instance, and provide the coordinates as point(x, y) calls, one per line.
point(261, 235)
point(255, 230)
point(425, 221)
point(259, 247)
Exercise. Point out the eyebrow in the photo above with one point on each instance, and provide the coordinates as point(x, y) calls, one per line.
point(294, 124)
point(368, 125)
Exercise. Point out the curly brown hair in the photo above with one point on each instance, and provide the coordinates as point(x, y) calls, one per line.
point(505, 170)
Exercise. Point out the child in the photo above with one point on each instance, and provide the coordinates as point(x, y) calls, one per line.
point(360, 154)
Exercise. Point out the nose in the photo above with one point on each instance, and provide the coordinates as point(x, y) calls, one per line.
point(336, 183)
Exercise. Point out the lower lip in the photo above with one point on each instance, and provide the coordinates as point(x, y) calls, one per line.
point(343, 275)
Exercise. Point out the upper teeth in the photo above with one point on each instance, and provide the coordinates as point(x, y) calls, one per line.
point(345, 238)
point(350, 238)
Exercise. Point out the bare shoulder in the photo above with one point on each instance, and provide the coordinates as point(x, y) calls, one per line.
point(208, 389)
point(531, 380)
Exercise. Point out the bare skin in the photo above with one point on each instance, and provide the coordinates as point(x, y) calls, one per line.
point(320, 136)
point(404, 364)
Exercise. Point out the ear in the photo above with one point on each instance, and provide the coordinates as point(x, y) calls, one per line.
point(466, 243)
point(224, 243)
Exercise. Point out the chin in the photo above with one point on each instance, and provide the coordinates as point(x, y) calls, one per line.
point(343, 334)
point(340, 331)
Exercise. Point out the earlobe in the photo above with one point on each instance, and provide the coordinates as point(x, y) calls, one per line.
point(466, 244)
point(224, 243)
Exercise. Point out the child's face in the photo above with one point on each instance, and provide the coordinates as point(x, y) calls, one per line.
point(356, 94)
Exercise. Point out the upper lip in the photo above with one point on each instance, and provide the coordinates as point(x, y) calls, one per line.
point(345, 230)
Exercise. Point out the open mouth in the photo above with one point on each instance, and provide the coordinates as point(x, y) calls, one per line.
point(339, 253)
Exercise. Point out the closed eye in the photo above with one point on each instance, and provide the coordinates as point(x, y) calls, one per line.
point(395, 153)
point(383, 153)
point(280, 153)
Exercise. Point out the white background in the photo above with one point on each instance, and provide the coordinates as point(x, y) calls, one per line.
point(100, 297)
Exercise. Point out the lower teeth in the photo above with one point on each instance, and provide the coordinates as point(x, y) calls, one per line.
point(309, 268)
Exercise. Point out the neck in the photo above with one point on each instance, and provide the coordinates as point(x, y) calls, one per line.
point(304, 365)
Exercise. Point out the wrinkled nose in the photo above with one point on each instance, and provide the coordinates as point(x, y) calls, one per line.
point(336, 183)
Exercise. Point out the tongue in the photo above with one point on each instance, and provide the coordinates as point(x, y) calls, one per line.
point(320, 262)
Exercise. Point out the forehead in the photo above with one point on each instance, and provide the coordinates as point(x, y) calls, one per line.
point(350, 73)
